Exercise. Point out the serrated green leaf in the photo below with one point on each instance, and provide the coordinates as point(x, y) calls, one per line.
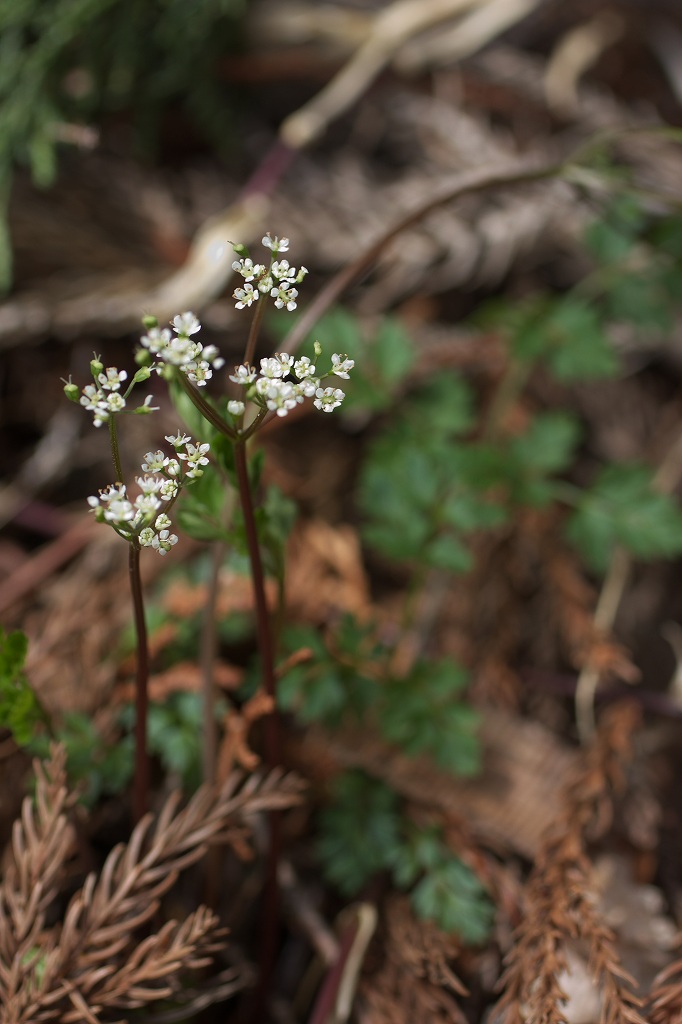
point(579, 347)
point(623, 508)
point(421, 714)
point(452, 896)
point(446, 552)
point(549, 445)
point(360, 831)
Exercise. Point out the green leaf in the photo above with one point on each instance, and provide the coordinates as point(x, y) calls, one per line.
point(175, 736)
point(359, 831)
point(328, 688)
point(549, 445)
point(612, 238)
point(204, 508)
point(578, 346)
point(623, 508)
point(453, 897)
point(446, 552)
point(421, 714)
point(20, 711)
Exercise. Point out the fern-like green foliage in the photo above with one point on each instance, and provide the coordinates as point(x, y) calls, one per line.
point(365, 832)
point(75, 61)
point(426, 485)
point(348, 681)
point(20, 711)
point(623, 508)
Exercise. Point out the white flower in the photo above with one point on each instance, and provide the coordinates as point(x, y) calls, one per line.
point(235, 408)
point(248, 269)
point(284, 297)
point(276, 244)
point(156, 339)
point(114, 492)
point(146, 537)
point(155, 462)
point(341, 365)
point(304, 368)
point(112, 378)
point(173, 468)
point(286, 360)
point(211, 354)
point(186, 324)
point(164, 541)
point(308, 387)
point(195, 455)
point(272, 367)
point(282, 396)
point(244, 296)
point(115, 402)
point(149, 484)
point(147, 407)
point(328, 399)
point(199, 372)
point(169, 489)
point(282, 271)
point(147, 504)
point(243, 374)
point(265, 284)
point(162, 522)
point(178, 440)
point(119, 511)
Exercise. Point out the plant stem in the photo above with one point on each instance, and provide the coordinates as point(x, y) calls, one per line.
point(115, 452)
point(141, 780)
point(208, 654)
point(250, 349)
point(263, 624)
point(271, 910)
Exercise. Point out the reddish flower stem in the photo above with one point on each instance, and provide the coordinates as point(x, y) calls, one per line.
point(141, 780)
point(273, 740)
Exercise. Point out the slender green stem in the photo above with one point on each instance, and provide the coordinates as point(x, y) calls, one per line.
point(141, 780)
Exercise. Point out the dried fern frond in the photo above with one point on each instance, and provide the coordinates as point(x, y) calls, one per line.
point(666, 995)
point(42, 842)
point(95, 962)
point(559, 903)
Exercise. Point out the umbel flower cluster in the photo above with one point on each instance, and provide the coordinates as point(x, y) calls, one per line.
point(192, 358)
point(276, 279)
point(103, 398)
point(145, 519)
point(284, 382)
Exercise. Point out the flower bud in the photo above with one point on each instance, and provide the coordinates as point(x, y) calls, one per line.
point(240, 249)
point(144, 373)
point(318, 349)
point(148, 322)
point(72, 392)
point(96, 366)
point(143, 357)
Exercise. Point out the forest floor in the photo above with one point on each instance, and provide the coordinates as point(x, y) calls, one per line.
point(573, 832)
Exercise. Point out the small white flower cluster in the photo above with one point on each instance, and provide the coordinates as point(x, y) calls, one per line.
point(105, 399)
point(145, 519)
point(276, 279)
point(195, 360)
point(271, 390)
